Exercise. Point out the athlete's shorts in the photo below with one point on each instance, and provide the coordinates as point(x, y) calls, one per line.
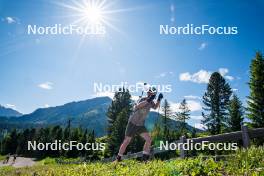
point(132, 129)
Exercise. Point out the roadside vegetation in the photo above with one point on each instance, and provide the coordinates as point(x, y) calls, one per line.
point(2, 157)
point(244, 162)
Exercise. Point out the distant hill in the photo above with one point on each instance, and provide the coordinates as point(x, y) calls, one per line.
point(90, 114)
point(8, 112)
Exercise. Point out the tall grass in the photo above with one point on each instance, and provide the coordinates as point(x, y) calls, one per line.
point(244, 162)
point(2, 157)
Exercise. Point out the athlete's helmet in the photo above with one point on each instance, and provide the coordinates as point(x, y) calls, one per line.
point(152, 90)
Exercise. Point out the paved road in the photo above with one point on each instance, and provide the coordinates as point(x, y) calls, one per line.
point(20, 162)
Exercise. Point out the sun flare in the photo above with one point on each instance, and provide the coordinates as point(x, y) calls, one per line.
point(93, 14)
point(88, 12)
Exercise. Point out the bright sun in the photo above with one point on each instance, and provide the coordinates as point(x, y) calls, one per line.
point(93, 14)
point(96, 15)
point(88, 11)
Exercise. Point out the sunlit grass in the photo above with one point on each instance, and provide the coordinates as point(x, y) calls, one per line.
point(250, 162)
point(2, 157)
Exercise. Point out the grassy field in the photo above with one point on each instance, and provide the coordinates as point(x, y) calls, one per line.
point(244, 162)
point(2, 157)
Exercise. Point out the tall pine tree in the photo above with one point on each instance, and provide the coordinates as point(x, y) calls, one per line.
point(256, 85)
point(120, 101)
point(118, 114)
point(118, 132)
point(183, 116)
point(216, 100)
point(235, 113)
point(166, 114)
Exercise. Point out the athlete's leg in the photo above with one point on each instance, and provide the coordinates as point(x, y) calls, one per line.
point(147, 145)
point(124, 145)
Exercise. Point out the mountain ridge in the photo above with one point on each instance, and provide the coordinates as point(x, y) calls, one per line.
point(90, 114)
point(8, 112)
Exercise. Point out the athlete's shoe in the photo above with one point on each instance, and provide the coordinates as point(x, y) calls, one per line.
point(145, 158)
point(118, 158)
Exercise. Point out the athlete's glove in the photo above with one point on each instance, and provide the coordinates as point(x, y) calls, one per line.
point(160, 97)
point(151, 98)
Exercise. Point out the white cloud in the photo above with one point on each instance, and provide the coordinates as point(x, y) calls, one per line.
point(46, 106)
point(185, 76)
point(223, 71)
point(201, 76)
point(199, 126)
point(192, 97)
point(234, 90)
point(46, 85)
point(164, 74)
point(203, 46)
point(230, 78)
point(192, 105)
point(104, 94)
point(174, 106)
point(11, 20)
point(11, 106)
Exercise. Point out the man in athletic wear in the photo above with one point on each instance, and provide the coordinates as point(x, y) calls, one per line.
point(136, 123)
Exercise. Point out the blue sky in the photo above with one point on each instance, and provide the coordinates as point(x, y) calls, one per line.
point(49, 70)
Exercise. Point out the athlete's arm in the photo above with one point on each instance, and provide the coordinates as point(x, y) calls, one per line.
point(156, 105)
point(141, 105)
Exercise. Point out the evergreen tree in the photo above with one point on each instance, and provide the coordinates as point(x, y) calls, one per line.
point(13, 142)
point(118, 131)
point(93, 154)
point(16, 142)
point(120, 101)
point(84, 140)
point(118, 114)
point(6, 145)
point(75, 136)
point(216, 100)
point(183, 115)
point(56, 133)
point(235, 113)
point(67, 131)
point(256, 85)
point(166, 114)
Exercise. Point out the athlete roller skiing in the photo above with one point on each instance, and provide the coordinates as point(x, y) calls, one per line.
point(136, 123)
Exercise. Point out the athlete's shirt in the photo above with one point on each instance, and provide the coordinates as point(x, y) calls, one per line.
point(140, 114)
